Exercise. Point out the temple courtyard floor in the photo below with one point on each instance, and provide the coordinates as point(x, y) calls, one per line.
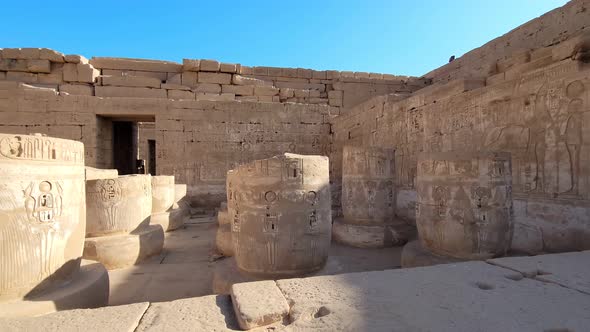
point(359, 290)
point(188, 266)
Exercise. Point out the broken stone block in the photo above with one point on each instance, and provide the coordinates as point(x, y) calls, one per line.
point(209, 65)
point(320, 75)
point(181, 94)
point(170, 86)
point(13, 65)
point(75, 58)
point(360, 74)
point(51, 55)
point(55, 77)
point(289, 72)
point(208, 88)
point(22, 77)
point(228, 68)
point(285, 93)
point(266, 91)
point(247, 98)
point(190, 64)
point(332, 74)
point(215, 97)
point(253, 310)
point(189, 78)
point(70, 72)
point(131, 81)
point(238, 90)
point(77, 89)
point(136, 64)
point(304, 73)
point(174, 78)
point(242, 80)
point(86, 73)
point(219, 78)
point(21, 53)
point(577, 48)
point(113, 91)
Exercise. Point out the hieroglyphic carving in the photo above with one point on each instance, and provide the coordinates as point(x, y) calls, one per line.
point(282, 218)
point(41, 148)
point(465, 203)
point(41, 214)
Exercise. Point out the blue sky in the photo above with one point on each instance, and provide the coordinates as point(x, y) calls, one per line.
point(397, 37)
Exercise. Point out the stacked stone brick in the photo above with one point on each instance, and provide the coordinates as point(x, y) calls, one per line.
point(194, 79)
point(47, 68)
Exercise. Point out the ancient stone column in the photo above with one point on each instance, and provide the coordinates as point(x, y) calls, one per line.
point(368, 200)
point(464, 207)
point(118, 231)
point(281, 215)
point(42, 227)
point(165, 208)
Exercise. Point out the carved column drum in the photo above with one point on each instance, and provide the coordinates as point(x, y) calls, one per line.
point(367, 185)
point(118, 205)
point(464, 207)
point(163, 193)
point(280, 210)
point(42, 213)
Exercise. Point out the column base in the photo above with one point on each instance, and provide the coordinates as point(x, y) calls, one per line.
point(365, 236)
point(118, 251)
point(89, 288)
point(223, 240)
point(415, 255)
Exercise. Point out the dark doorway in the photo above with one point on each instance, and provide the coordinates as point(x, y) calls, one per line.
point(125, 146)
point(152, 156)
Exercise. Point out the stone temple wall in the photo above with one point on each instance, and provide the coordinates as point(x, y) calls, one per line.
point(197, 141)
point(497, 55)
point(540, 114)
point(195, 79)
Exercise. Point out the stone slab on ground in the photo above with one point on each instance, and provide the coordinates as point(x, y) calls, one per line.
point(107, 319)
point(207, 313)
point(122, 250)
point(571, 270)
point(258, 304)
point(89, 288)
point(472, 296)
point(342, 259)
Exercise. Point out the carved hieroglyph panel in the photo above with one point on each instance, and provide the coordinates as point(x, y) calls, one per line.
point(464, 205)
point(42, 213)
point(367, 185)
point(118, 205)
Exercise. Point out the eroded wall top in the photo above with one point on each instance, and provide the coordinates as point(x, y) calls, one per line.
point(196, 79)
point(549, 29)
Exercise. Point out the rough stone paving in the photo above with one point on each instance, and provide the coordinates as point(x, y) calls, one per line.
point(486, 156)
